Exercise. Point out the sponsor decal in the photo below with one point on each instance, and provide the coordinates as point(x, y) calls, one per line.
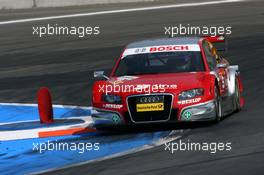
point(195, 100)
point(116, 82)
point(120, 80)
point(141, 50)
point(113, 106)
point(116, 119)
point(162, 48)
point(169, 48)
point(128, 78)
point(187, 114)
point(150, 107)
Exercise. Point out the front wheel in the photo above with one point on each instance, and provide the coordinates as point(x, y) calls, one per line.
point(218, 106)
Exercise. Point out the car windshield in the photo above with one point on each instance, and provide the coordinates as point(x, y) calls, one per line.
point(161, 62)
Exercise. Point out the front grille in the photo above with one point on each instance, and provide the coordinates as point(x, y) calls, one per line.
point(149, 116)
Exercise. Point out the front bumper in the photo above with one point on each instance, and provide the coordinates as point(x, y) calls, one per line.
point(107, 117)
point(199, 112)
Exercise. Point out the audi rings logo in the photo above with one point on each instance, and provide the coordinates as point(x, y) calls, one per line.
point(150, 99)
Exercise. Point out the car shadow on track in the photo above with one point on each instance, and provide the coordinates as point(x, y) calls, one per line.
point(147, 128)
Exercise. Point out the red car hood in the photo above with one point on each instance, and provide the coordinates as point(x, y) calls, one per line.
point(183, 81)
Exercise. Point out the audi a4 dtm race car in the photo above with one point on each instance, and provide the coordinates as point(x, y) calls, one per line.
point(168, 80)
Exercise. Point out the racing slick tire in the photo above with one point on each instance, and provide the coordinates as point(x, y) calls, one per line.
point(236, 98)
point(218, 105)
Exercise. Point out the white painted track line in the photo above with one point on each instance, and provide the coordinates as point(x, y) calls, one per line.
point(55, 105)
point(119, 11)
point(34, 133)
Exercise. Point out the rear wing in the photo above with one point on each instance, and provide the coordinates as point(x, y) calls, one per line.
point(219, 42)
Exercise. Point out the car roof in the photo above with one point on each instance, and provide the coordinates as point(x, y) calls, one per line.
point(164, 41)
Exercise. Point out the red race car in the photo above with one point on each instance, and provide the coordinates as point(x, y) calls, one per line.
point(168, 80)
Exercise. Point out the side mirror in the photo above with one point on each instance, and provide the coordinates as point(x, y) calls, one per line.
point(100, 74)
point(221, 65)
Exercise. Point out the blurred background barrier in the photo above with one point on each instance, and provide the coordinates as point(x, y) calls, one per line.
point(21, 4)
point(16, 4)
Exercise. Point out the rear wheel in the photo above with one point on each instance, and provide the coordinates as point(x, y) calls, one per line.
point(237, 96)
point(218, 106)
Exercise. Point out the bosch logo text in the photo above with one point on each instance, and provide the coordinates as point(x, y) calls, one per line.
point(169, 48)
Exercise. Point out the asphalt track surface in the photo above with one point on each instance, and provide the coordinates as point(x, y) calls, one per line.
point(65, 65)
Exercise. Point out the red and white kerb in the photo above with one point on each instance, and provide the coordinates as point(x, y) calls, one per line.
point(163, 48)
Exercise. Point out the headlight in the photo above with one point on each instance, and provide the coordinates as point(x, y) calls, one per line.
point(110, 98)
point(191, 94)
